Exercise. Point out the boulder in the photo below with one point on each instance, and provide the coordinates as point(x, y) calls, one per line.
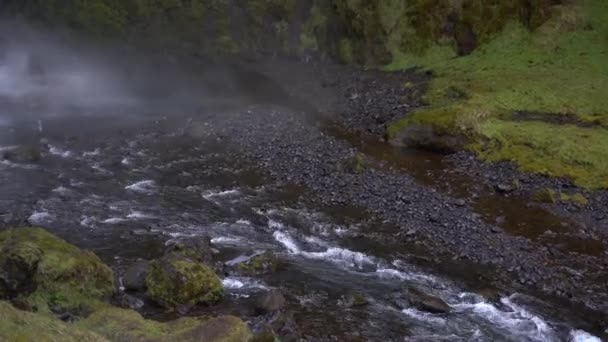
point(175, 281)
point(44, 273)
point(265, 263)
point(196, 248)
point(428, 303)
point(134, 278)
point(270, 301)
point(22, 154)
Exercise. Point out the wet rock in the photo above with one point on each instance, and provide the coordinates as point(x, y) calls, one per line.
point(265, 263)
point(196, 249)
point(428, 303)
point(174, 281)
point(270, 301)
point(503, 188)
point(354, 300)
point(54, 275)
point(135, 276)
point(128, 301)
point(22, 154)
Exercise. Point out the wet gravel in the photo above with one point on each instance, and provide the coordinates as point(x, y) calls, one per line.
point(296, 150)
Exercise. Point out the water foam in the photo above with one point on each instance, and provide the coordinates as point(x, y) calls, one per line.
point(138, 215)
point(340, 256)
point(518, 321)
point(54, 150)
point(144, 187)
point(583, 336)
point(40, 217)
point(208, 195)
point(242, 283)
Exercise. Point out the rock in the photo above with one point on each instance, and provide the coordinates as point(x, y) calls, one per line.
point(45, 273)
point(196, 248)
point(427, 303)
point(545, 195)
point(174, 281)
point(265, 263)
point(460, 202)
point(135, 276)
point(22, 154)
point(20, 325)
point(270, 301)
point(503, 188)
point(125, 300)
point(127, 325)
point(355, 300)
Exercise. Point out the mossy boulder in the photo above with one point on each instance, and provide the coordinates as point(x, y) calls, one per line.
point(127, 325)
point(577, 199)
point(42, 272)
point(17, 325)
point(265, 263)
point(175, 281)
point(195, 248)
point(113, 324)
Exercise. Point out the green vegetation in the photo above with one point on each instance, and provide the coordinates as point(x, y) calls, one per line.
point(114, 324)
point(23, 326)
point(46, 274)
point(173, 281)
point(127, 325)
point(547, 195)
point(260, 264)
point(558, 68)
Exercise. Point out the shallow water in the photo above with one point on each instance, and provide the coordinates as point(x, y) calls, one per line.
point(123, 187)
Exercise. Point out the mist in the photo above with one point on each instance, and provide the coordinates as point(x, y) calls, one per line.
point(50, 74)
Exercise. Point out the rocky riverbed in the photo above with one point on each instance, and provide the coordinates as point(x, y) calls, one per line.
point(317, 230)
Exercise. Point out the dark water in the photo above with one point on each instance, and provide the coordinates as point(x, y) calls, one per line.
point(124, 185)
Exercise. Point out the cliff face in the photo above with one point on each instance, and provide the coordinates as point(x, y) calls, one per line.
point(355, 31)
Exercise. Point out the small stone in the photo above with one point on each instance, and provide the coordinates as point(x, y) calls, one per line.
point(460, 202)
point(504, 188)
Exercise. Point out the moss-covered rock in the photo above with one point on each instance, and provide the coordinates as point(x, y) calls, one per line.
point(44, 273)
point(118, 325)
point(175, 281)
point(546, 195)
point(264, 263)
point(17, 325)
point(577, 199)
point(127, 325)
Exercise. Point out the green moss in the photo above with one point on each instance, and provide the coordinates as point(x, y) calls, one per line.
point(23, 326)
point(558, 68)
point(260, 264)
point(577, 199)
point(314, 28)
point(545, 195)
point(64, 278)
point(345, 51)
point(174, 281)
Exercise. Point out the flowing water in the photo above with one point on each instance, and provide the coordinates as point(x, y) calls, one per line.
point(124, 185)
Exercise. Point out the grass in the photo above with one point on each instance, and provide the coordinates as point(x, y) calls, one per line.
point(559, 68)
